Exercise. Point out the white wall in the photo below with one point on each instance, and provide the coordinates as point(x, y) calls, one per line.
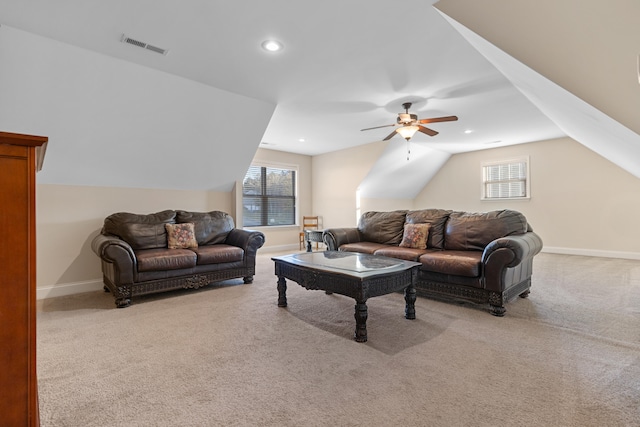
point(69, 217)
point(580, 202)
point(335, 181)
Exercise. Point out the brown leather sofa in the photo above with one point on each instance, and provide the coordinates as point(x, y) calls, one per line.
point(137, 260)
point(484, 258)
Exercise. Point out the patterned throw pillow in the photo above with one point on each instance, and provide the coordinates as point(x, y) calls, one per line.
point(180, 236)
point(415, 236)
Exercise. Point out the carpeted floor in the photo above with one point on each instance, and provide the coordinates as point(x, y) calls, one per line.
point(569, 355)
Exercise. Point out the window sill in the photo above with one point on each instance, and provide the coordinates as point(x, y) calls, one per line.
point(272, 227)
point(498, 199)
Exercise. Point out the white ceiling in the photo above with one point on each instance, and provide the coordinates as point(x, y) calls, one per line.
point(346, 65)
point(338, 73)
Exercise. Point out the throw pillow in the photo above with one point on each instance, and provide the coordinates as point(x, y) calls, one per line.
point(180, 236)
point(415, 236)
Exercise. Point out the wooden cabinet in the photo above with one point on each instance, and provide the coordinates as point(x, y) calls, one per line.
point(20, 157)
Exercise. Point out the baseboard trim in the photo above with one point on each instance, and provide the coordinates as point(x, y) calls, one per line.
point(68, 289)
point(279, 248)
point(592, 252)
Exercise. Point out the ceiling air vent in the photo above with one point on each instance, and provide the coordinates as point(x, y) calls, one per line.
point(143, 45)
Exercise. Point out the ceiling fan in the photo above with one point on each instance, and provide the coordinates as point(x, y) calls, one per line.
point(409, 124)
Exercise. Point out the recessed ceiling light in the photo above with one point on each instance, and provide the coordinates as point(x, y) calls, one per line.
point(468, 131)
point(272, 45)
point(301, 140)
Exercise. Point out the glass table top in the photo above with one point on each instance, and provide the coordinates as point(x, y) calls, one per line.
point(347, 261)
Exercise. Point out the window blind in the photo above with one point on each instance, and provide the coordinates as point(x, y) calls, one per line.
point(505, 180)
point(268, 196)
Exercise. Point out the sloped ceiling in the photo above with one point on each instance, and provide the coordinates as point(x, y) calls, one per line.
point(585, 57)
point(346, 65)
point(588, 47)
point(114, 123)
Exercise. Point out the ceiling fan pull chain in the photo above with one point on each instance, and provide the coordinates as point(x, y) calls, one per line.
point(408, 150)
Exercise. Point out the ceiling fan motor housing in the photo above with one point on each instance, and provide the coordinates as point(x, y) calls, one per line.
point(404, 118)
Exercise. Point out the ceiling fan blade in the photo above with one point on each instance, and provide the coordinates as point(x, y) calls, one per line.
point(439, 119)
point(378, 127)
point(391, 135)
point(428, 131)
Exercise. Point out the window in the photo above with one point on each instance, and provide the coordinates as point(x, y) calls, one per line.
point(508, 179)
point(269, 196)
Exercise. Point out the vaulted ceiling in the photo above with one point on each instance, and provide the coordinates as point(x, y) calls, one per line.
point(350, 65)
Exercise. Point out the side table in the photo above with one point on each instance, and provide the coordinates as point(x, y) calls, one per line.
point(313, 236)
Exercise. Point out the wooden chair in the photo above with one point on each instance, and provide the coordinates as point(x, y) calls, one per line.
point(308, 223)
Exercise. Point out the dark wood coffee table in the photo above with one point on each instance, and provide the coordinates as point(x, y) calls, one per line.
point(359, 276)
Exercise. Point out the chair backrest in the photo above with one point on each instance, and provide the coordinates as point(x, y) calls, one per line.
point(309, 222)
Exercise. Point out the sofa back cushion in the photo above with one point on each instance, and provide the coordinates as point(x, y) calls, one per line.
point(382, 227)
point(436, 218)
point(140, 231)
point(209, 227)
point(474, 231)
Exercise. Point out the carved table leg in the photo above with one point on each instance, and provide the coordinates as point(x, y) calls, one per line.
point(410, 300)
point(309, 246)
point(361, 321)
point(282, 292)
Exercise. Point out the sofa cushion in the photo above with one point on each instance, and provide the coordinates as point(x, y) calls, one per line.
point(165, 259)
point(210, 227)
point(436, 218)
point(382, 227)
point(218, 254)
point(415, 236)
point(362, 247)
point(180, 236)
point(140, 231)
point(474, 231)
point(408, 254)
point(458, 263)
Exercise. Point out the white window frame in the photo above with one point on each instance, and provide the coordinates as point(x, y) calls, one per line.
point(485, 166)
point(278, 165)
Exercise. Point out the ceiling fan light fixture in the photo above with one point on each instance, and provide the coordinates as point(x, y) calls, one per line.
point(272, 45)
point(407, 131)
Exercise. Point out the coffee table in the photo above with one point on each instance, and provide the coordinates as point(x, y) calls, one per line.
point(356, 275)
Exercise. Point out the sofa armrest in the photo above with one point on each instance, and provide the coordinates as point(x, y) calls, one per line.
point(335, 237)
point(117, 254)
point(249, 240)
point(507, 253)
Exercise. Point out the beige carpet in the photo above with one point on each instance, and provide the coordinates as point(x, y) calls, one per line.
point(569, 355)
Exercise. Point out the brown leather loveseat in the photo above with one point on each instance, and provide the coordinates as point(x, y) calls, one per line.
point(478, 257)
point(150, 253)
